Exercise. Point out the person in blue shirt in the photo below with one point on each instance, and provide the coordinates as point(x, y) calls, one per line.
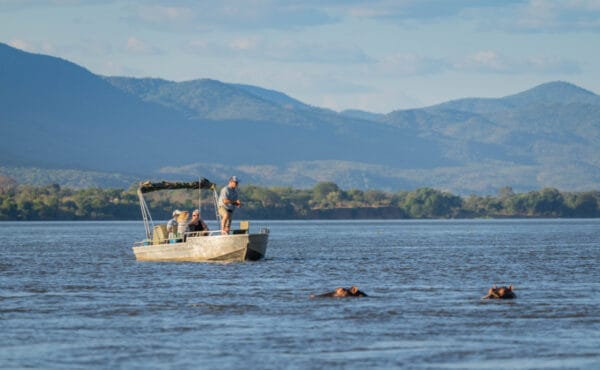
point(228, 201)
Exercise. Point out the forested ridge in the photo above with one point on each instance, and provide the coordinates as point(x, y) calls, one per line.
point(326, 200)
point(545, 136)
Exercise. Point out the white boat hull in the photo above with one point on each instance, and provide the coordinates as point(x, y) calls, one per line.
point(217, 248)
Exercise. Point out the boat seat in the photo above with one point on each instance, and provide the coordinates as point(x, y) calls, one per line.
point(160, 234)
point(244, 227)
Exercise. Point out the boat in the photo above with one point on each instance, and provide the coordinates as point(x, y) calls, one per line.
point(200, 246)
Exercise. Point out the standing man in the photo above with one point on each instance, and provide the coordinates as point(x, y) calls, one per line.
point(228, 200)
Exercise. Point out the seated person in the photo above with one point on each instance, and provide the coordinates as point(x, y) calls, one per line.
point(182, 225)
point(500, 293)
point(172, 225)
point(342, 292)
point(197, 224)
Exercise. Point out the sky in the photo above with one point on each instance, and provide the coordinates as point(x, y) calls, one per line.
point(378, 56)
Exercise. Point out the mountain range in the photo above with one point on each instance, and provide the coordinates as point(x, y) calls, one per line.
point(64, 124)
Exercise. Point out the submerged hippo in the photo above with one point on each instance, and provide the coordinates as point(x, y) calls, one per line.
point(500, 293)
point(342, 292)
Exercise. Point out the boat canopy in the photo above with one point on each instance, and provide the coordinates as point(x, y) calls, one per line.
point(147, 186)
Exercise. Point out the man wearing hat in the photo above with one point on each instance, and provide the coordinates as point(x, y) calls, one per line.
point(228, 200)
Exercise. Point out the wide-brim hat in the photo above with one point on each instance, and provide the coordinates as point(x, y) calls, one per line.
point(183, 216)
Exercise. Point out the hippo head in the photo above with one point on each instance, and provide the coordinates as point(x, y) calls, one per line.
point(341, 292)
point(355, 292)
point(500, 293)
point(506, 292)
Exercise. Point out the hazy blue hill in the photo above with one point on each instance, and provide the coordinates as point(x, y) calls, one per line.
point(76, 119)
point(273, 96)
point(554, 93)
point(215, 100)
point(142, 87)
point(274, 129)
point(208, 99)
point(59, 120)
point(556, 111)
point(288, 103)
point(475, 105)
point(552, 108)
point(545, 94)
point(58, 114)
point(550, 132)
point(361, 114)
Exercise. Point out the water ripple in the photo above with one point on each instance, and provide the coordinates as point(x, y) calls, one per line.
point(70, 300)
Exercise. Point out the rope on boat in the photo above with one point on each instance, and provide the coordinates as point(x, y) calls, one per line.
point(215, 201)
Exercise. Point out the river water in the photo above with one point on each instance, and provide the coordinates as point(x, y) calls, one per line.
point(73, 296)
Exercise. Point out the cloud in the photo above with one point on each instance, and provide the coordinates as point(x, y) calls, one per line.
point(244, 44)
point(542, 16)
point(12, 5)
point(21, 44)
point(283, 50)
point(86, 47)
point(552, 65)
point(402, 65)
point(137, 46)
point(33, 47)
point(317, 52)
point(92, 47)
point(273, 14)
point(406, 64)
point(417, 10)
point(548, 15)
point(507, 15)
point(230, 14)
point(485, 60)
point(71, 51)
point(332, 83)
point(489, 61)
point(165, 14)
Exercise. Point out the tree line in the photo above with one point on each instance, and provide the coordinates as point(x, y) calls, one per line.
point(323, 201)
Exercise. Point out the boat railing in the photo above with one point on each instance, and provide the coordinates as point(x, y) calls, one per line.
point(195, 234)
point(142, 243)
point(202, 233)
point(261, 230)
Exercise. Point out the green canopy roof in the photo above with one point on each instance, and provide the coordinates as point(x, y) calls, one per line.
point(147, 186)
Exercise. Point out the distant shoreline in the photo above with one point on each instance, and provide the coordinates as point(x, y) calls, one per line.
point(325, 201)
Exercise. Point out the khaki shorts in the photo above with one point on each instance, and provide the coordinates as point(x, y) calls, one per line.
point(225, 214)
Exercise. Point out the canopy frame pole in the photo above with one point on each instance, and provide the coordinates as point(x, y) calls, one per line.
point(199, 200)
point(148, 186)
point(215, 200)
point(146, 216)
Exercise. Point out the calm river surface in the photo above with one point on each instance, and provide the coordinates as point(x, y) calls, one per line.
point(73, 296)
